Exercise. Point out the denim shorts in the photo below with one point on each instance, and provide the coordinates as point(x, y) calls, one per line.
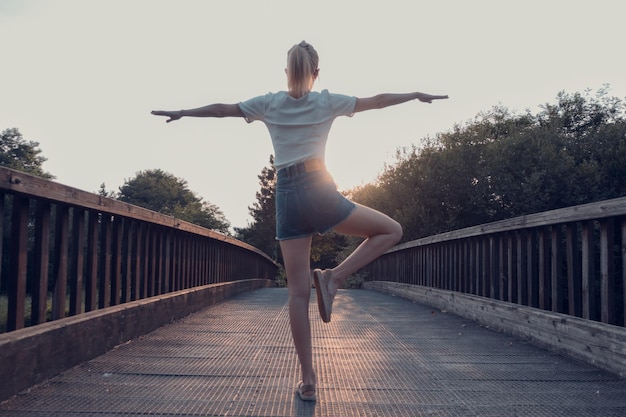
point(308, 203)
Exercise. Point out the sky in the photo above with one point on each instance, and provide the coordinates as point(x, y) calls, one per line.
point(81, 77)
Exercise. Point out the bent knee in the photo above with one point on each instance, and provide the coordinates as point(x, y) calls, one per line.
point(396, 232)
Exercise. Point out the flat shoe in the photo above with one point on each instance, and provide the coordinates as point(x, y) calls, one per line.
point(324, 300)
point(306, 388)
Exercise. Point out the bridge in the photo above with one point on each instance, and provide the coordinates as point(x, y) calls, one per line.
point(115, 310)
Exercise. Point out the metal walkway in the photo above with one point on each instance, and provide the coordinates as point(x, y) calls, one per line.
point(380, 356)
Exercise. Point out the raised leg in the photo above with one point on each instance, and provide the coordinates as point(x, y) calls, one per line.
point(381, 233)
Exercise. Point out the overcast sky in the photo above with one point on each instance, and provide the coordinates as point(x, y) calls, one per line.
point(81, 77)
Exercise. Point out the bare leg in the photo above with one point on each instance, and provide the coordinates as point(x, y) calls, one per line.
point(296, 256)
point(381, 233)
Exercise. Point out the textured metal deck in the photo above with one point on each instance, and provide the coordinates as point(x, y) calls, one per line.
point(380, 356)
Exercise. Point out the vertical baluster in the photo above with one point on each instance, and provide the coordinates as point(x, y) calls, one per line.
point(555, 274)
point(18, 264)
point(573, 270)
point(493, 267)
point(542, 267)
point(151, 264)
point(39, 291)
point(77, 261)
point(60, 262)
point(531, 267)
point(520, 241)
point(607, 280)
point(127, 287)
point(623, 248)
point(502, 277)
point(2, 225)
point(91, 278)
point(483, 267)
point(167, 265)
point(104, 289)
point(145, 262)
point(116, 261)
point(137, 262)
point(509, 268)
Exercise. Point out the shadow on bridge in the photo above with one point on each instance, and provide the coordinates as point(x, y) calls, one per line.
point(380, 356)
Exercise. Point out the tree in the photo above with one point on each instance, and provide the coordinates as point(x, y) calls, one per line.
point(261, 233)
point(17, 153)
point(162, 192)
point(502, 165)
point(103, 192)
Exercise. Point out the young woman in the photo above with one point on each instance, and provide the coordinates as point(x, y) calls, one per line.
point(307, 200)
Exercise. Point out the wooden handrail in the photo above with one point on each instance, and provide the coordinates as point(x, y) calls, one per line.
point(570, 260)
point(64, 244)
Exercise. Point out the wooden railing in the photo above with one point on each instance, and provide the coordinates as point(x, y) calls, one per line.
point(569, 261)
point(67, 251)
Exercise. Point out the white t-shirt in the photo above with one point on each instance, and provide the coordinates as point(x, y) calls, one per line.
point(298, 127)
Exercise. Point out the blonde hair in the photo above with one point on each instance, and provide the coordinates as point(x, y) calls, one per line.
point(302, 61)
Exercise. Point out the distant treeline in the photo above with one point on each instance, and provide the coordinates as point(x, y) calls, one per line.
point(502, 165)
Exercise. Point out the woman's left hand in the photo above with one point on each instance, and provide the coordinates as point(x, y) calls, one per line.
point(173, 115)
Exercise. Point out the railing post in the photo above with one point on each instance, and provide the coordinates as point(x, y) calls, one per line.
point(137, 283)
point(61, 261)
point(520, 241)
point(91, 278)
point(531, 267)
point(151, 266)
point(502, 277)
point(573, 271)
point(2, 196)
point(493, 267)
point(18, 264)
point(606, 272)
point(129, 228)
point(542, 268)
point(116, 261)
point(166, 250)
point(623, 271)
point(509, 268)
point(77, 261)
point(555, 259)
point(104, 288)
point(39, 289)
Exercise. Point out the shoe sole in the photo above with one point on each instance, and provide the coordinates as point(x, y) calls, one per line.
point(323, 298)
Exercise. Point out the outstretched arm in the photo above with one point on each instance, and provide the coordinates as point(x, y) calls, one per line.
point(385, 100)
point(212, 110)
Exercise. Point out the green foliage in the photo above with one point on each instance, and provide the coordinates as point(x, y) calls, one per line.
point(502, 165)
point(353, 282)
point(103, 192)
point(162, 192)
point(261, 233)
point(281, 277)
point(20, 154)
point(324, 249)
